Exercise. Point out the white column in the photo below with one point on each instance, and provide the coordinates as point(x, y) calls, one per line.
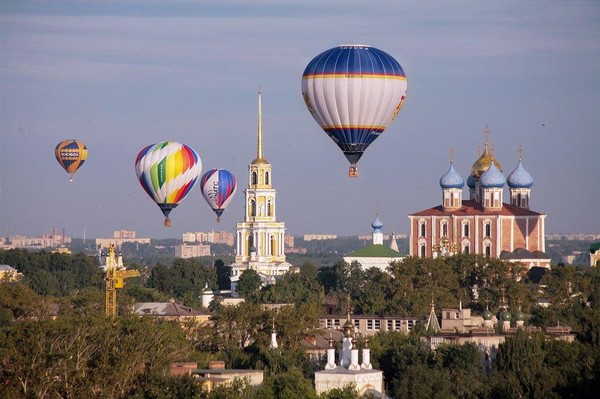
point(498, 235)
point(366, 359)
point(354, 360)
point(330, 359)
point(476, 230)
point(512, 233)
point(527, 233)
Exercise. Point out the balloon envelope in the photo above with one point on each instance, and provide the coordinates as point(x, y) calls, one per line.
point(354, 92)
point(167, 171)
point(71, 154)
point(218, 188)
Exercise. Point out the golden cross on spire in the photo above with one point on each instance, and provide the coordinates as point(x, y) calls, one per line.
point(486, 134)
point(492, 149)
point(259, 144)
point(451, 154)
point(520, 151)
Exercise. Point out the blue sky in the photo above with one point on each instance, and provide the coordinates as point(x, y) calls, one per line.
point(120, 75)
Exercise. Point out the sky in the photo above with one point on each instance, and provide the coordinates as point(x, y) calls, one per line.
point(120, 75)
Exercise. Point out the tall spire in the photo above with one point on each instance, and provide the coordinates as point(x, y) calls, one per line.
point(259, 140)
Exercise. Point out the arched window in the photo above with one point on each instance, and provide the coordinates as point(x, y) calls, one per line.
point(254, 178)
point(444, 229)
point(422, 229)
point(252, 208)
point(250, 242)
point(422, 251)
point(488, 250)
point(273, 245)
point(466, 230)
point(488, 229)
point(269, 208)
point(266, 177)
point(466, 250)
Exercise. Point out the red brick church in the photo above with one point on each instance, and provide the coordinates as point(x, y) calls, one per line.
point(483, 224)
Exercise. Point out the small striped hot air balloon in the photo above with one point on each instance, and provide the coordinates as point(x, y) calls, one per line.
point(71, 154)
point(353, 92)
point(218, 188)
point(167, 172)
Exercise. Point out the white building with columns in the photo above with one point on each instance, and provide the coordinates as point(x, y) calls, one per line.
point(260, 237)
point(348, 370)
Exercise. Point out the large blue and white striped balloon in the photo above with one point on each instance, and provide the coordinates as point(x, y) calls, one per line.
point(354, 92)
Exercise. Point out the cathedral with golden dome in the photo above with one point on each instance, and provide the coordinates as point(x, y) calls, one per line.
point(484, 224)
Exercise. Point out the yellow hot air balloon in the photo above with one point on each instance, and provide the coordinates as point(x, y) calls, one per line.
point(71, 154)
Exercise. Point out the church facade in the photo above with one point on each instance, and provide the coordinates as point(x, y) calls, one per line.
point(259, 237)
point(484, 224)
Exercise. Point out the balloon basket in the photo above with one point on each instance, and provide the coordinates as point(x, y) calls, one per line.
point(353, 171)
point(167, 222)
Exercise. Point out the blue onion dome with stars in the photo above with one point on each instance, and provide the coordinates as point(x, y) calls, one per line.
point(519, 178)
point(492, 178)
point(471, 181)
point(451, 179)
point(377, 224)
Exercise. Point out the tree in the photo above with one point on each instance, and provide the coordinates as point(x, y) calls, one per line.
point(248, 283)
point(85, 356)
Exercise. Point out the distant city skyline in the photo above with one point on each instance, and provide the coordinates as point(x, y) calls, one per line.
point(121, 75)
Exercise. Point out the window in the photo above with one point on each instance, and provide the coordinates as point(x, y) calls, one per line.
point(488, 229)
point(466, 230)
point(410, 324)
point(466, 249)
point(252, 208)
point(422, 229)
point(356, 323)
point(250, 243)
point(273, 245)
point(254, 178)
point(496, 198)
point(378, 324)
point(444, 229)
point(397, 324)
point(488, 250)
point(266, 177)
point(369, 324)
point(422, 251)
point(269, 208)
point(390, 325)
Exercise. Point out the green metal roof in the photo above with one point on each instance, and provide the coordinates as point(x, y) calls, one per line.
point(594, 247)
point(376, 251)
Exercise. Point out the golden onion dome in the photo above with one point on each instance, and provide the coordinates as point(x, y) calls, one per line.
point(484, 162)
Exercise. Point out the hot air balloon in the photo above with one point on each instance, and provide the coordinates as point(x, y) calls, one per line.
point(71, 154)
point(218, 188)
point(353, 92)
point(168, 171)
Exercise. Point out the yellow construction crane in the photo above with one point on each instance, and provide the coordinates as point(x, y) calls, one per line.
point(115, 276)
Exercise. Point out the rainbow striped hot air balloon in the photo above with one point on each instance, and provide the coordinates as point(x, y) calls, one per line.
point(71, 154)
point(167, 171)
point(353, 92)
point(218, 188)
